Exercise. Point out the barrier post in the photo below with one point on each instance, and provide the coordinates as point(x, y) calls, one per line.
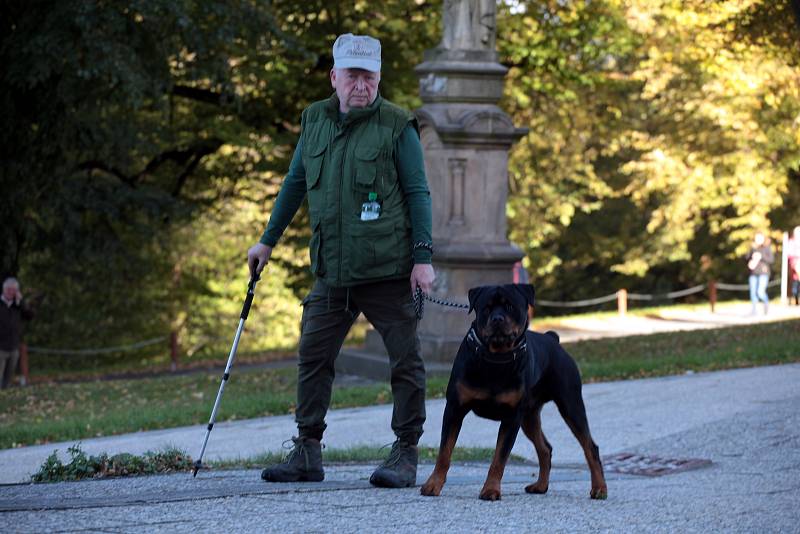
point(25, 379)
point(173, 350)
point(785, 269)
point(622, 302)
point(712, 294)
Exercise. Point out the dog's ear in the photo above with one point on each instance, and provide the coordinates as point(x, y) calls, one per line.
point(474, 295)
point(528, 292)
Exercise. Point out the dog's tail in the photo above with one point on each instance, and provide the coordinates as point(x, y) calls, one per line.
point(554, 335)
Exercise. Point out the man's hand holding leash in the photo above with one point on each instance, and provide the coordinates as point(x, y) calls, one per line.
point(422, 276)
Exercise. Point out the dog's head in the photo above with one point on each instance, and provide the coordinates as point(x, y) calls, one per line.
point(501, 313)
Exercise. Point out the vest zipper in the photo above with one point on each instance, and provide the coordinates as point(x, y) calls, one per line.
point(341, 185)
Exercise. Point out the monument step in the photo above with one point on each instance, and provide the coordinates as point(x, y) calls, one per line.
point(376, 366)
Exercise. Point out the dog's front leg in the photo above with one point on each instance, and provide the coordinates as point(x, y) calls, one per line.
point(506, 436)
point(453, 416)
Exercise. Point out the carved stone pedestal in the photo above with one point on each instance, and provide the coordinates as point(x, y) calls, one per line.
point(466, 139)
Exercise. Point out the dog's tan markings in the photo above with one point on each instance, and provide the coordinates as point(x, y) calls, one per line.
point(468, 394)
point(491, 487)
point(510, 398)
point(590, 451)
point(433, 486)
point(532, 426)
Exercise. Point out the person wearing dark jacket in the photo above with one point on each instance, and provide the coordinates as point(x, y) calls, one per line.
point(759, 262)
point(359, 163)
point(13, 312)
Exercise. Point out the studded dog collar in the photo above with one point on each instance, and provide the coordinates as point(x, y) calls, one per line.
point(480, 349)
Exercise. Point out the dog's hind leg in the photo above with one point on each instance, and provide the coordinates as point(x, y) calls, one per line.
point(574, 413)
point(532, 426)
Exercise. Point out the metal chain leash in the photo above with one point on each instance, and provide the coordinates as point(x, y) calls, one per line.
point(419, 303)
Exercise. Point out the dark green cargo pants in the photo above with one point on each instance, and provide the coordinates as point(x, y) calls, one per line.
point(328, 314)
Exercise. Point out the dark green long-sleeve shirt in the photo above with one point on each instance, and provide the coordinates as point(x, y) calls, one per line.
point(411, 174)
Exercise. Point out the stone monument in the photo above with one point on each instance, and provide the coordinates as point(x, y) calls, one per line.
point(466, 139)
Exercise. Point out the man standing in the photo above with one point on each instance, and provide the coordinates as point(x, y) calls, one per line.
point(359, 160)
point(12, 312)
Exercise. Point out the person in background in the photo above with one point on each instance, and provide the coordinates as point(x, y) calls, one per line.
point(759, 264)
point(13, 311)
point(794, 265)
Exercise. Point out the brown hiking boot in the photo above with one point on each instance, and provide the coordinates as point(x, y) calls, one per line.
point(400, 468)
point(303, 464)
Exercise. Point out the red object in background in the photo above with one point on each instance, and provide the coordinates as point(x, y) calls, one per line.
point(519, 274)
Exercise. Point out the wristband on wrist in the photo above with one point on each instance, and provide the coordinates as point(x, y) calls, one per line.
point(423, 245)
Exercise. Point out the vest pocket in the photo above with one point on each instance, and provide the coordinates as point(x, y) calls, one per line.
point(313, 165)
point(377, 249)
point(366, 167)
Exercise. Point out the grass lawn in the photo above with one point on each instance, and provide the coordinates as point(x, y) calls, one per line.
point(55, 412)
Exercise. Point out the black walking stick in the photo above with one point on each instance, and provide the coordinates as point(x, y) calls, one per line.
point(245, 310)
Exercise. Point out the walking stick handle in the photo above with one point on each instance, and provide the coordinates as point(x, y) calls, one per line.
point(251, 288)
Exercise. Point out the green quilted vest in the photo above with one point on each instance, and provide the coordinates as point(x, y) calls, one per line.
point(344, 163)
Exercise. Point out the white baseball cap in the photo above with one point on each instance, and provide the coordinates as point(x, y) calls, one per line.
point(357, 52)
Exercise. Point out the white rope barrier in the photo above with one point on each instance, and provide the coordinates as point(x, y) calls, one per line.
point(648, 297)
point(733, 287)
point(670, 295)
point(92, 352)
point(744, 287)
point(577, 303)
point(685, 292)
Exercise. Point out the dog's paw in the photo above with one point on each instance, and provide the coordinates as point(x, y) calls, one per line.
point(600, 493)
point(490, 494)
point(539, 488)
point(432, 488)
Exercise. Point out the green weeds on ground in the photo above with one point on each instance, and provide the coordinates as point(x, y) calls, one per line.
point(58, 412)
point(82, 466)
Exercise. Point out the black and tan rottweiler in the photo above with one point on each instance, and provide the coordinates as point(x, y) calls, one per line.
point(506, 373)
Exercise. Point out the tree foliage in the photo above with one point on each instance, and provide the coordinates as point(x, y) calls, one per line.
point(137, 132)
point(660, 139)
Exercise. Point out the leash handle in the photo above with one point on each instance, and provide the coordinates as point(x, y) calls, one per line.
point(419, 303)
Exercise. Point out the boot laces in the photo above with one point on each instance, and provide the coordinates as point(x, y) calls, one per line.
point(296, 446)
point(396, 454)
